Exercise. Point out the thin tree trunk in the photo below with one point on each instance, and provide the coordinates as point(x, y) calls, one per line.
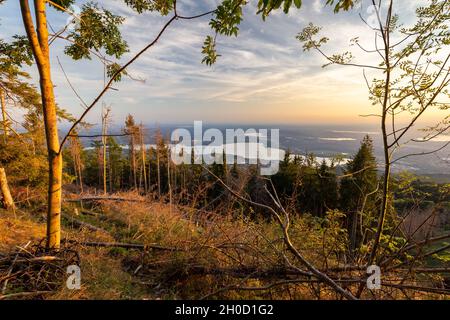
point(353, 232)
point(168, 180)
point(133, 161)
point(80, 171)
point(4, 118)
point(4, 191)
point(104, 143)
point(140, 177)
point(143, 158)
point(99, 166)
point(159, 170)
point(105, 191)
point(386, 149)
point(174, 174)
point(149, 168)
point(111, 177)
point(40, 48)
point(75, 149)
point(385, 31)
point(75, 168)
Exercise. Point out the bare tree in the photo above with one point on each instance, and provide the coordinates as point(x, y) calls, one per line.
point(414, 78)
point(105, 119)
point(75, 151)
point(143, 158)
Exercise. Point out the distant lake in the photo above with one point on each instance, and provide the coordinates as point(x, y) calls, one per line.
point(326, 142)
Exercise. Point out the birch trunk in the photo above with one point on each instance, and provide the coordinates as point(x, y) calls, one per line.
point(38, 39)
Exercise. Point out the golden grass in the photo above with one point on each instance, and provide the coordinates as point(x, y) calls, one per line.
point(103, 276)
point(111, 273)
point(201, 236)
point(18, 230)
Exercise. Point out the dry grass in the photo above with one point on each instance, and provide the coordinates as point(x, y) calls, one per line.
point(214, 253)
point(16, 230)
point(206, 243)
point(103, 276)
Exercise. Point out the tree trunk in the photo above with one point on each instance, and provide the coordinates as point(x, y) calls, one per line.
point(80, 172)
point(133, 161)
point(4, 191)
point(40, 48)
point(111, 176)
point(104, 143)
point(4, 118)
point(353, 245)
point(105, 191)
point(158, 171)
point(149, 169)
point(169, 185)
point(143, 158)
point(75, 150)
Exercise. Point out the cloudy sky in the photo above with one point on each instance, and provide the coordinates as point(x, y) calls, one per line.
point(263, 76)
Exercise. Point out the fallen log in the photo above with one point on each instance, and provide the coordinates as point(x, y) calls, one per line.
point(123, 245)
point(245, 272)
point(104, 199)
point(24, 294)
point(82, 224)
point(427, 241)
point(428, 270)
point(402, 287)
point(90, 213)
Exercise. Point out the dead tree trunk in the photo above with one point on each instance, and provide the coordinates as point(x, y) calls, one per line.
point(133, 161)
point(80, 172)
point(75, 150)
point(158, 171)
point(8, 202)
point(144, 174)
point(169, 185)
point(149, 169)
point(105, 114)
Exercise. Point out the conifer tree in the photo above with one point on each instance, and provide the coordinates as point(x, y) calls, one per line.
point(328, 188)
point(358, 190)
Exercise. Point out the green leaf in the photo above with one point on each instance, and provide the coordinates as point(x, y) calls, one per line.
point(98, 30)
point(298, 3)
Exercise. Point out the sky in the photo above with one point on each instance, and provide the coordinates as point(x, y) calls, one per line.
point(262, 76)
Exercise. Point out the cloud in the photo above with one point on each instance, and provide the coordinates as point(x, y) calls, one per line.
point(265, 66)
point(317, 6)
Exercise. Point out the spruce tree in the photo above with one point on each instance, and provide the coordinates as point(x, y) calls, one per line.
point(358, 191)
point(328, 188)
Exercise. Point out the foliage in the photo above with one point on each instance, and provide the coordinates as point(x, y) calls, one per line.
point(209, 51)
point(112, 70)
point(98, 29)
point(229, 15)
point(359, 191)
point(161, 6)
point(267, 6)
point(15, 54)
